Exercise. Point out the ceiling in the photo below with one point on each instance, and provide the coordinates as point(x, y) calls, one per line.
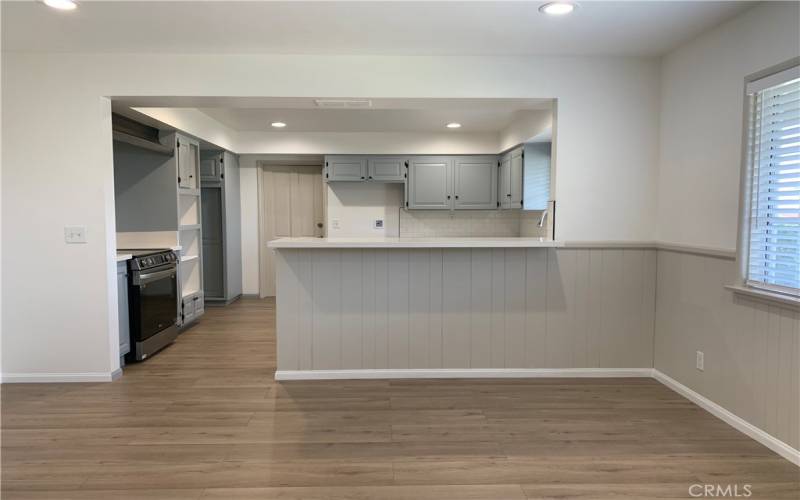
point(643, 28)
point(384, 115)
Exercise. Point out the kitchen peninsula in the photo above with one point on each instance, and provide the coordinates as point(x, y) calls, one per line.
point(456, 307)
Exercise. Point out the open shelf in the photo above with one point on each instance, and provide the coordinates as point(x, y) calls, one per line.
point(189, 258)
point(189, 227)
point(189, 192)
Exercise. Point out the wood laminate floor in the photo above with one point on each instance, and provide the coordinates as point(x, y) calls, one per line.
point(205, 420)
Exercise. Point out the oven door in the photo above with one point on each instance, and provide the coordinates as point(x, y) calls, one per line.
point(154, 298)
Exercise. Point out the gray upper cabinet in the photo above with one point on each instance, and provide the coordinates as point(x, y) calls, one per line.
point(430, 182)
point(510, 182)
point(345, 168)
point(211, 169)
point(475, 179)
point(387, 168)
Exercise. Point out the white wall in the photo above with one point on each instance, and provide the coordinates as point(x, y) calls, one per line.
point(248, 182)
point(702, 92)
point(57, 162)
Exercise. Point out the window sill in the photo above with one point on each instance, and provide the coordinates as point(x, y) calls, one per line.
point(764, 295)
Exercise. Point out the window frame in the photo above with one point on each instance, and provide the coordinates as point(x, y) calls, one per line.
point(782, 294)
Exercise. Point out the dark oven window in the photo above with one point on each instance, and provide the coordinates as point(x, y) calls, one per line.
point(155, 306)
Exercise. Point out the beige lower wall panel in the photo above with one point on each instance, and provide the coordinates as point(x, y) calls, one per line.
point(465, 308)
point(751, 348)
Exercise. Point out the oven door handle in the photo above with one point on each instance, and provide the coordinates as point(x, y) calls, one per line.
point(150, 277)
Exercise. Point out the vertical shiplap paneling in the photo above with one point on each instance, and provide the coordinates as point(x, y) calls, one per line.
point(613, 324)
point(352, 308)
point(537, 261)
point(794, 387)
point(560, 298)
point(456, 306)
point(369, 321)
point(785, 373)
point(381, 309)
point(436, 323)
point(398, 281)
point(419, 298)
point(628, 341)
point(481, 308)
point(327, 290)
point(287, 310)
point(595, 326)
point(773, 369)
point(305, 307)
point(498, 334)
point(761, 362)
point(581, 309)
point(646, 331)
point(515, 278)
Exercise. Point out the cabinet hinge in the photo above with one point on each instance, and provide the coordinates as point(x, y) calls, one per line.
point(498, 163)
point(178, 143)
point(179, 179)
point(222, 160)
point(406, 204)
point(405, 176)
point(326, 163)
point(406, 163)
point(326, 175)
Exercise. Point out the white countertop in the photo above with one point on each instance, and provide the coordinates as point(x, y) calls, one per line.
point(122, 256)
point(495, 242)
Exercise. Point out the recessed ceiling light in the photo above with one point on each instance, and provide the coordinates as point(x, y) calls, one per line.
point(557, 8)
point(278, 124)
point(61, 4)
point(453, 125)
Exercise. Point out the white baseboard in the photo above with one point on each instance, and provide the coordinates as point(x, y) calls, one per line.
point(425, 373)
point(41, 378)
point(729, 418)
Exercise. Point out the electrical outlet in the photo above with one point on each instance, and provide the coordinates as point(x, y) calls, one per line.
point(75, 234)
point(700, 361)
point(378, 224)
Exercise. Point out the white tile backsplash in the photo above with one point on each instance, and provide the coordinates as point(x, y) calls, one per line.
point(467, 223)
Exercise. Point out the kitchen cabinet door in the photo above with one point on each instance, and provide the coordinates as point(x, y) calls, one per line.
point(122, 303)
point(510, 181)
point(475, 180)
point(188, 163)
point(387, 168)
point(211, 168)
point(515, 174)
point(504, 181)
point(430, 182)
point(345, 168)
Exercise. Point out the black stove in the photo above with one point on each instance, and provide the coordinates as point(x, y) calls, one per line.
point(152, 301)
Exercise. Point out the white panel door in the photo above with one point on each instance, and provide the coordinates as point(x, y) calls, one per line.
point(291, 206)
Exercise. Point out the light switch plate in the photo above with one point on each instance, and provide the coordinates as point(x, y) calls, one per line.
point(700, 361)
point(378, 224)
point(75, 234)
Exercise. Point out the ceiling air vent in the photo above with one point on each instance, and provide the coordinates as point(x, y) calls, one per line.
point(343, 103)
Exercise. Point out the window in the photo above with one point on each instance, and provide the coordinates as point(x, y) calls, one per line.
point(773, 160)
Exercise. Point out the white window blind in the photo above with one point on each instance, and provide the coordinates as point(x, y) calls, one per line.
point(774, 152)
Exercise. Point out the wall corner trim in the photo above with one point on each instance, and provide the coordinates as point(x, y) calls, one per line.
point(41, 378)
point(729, 418)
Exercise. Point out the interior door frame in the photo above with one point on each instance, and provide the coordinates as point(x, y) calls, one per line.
point(287, 161)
